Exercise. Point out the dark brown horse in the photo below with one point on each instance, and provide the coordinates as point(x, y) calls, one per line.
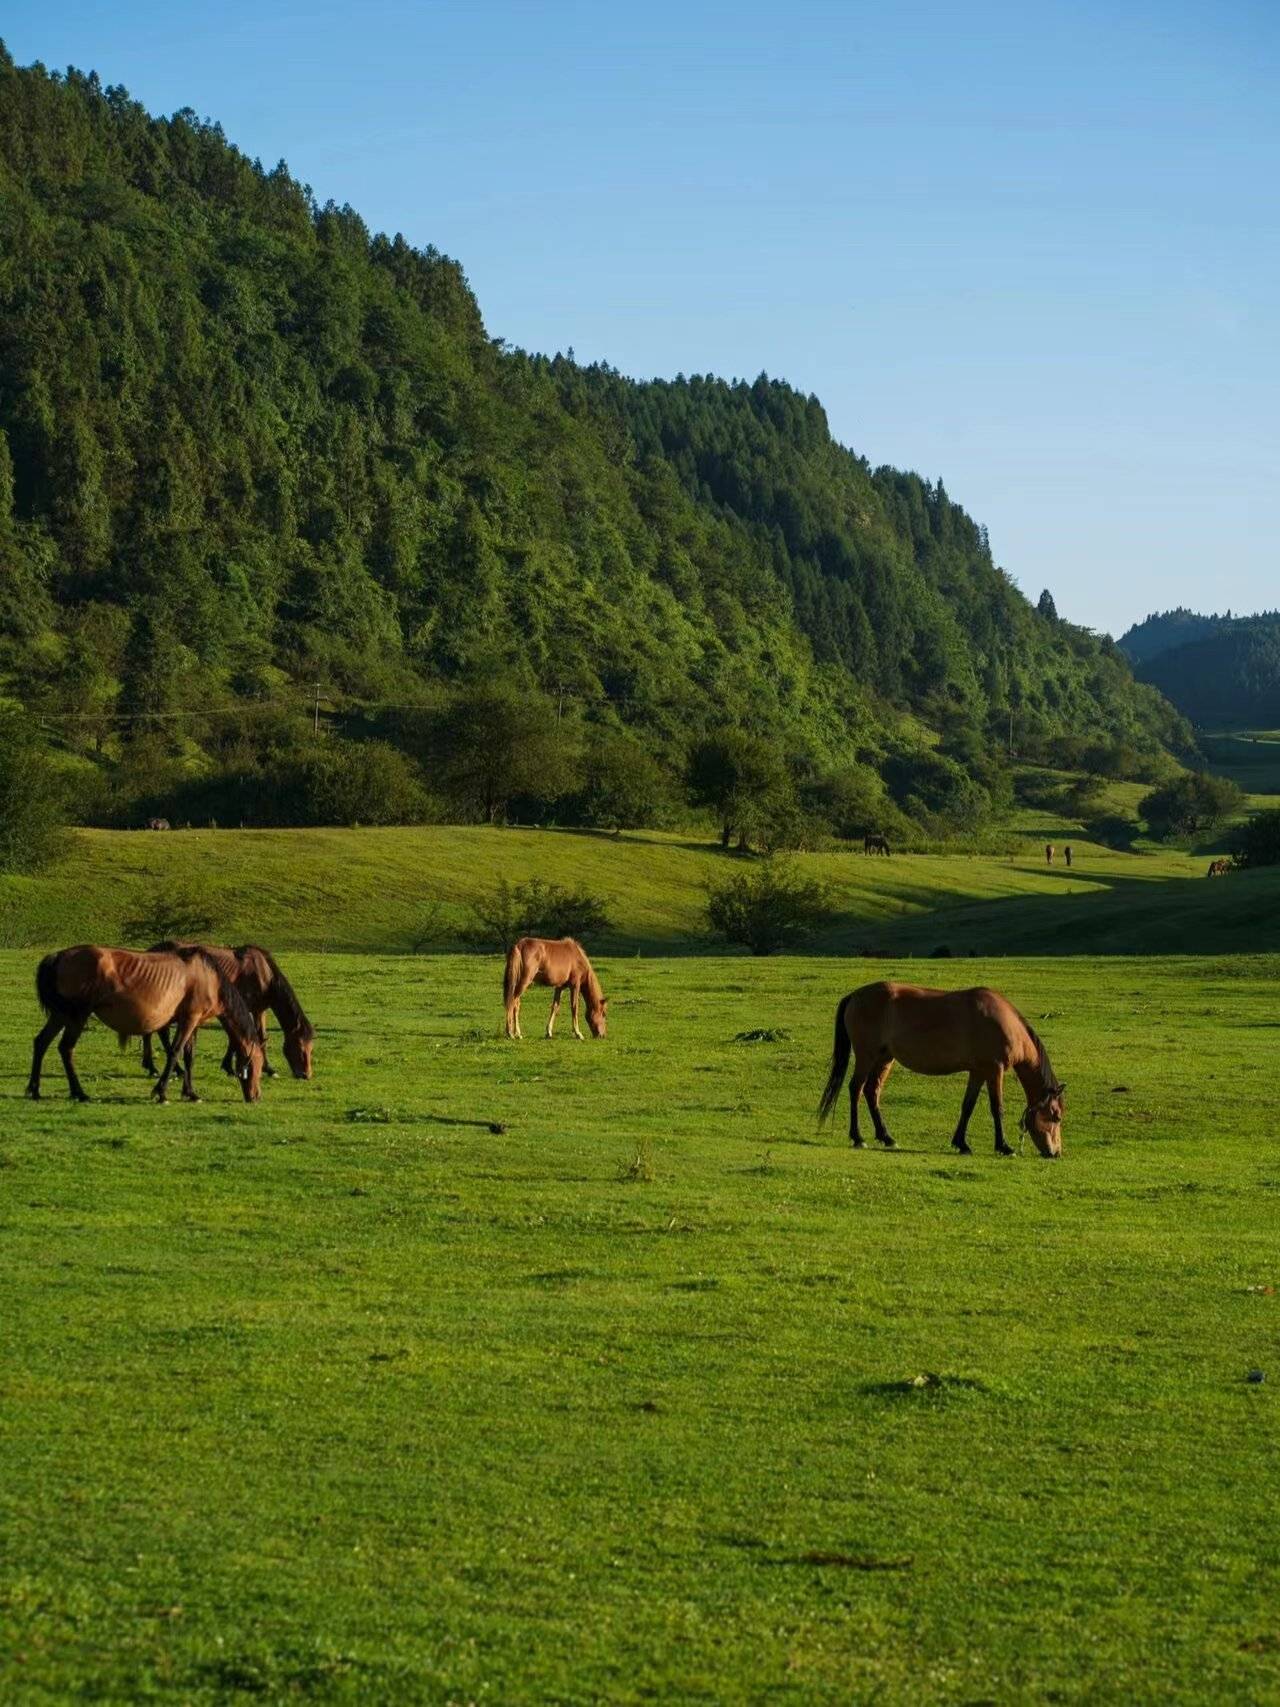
point(562, 963)
point(136, 994)
point(262, 985)
point(876, 842)
point(1219, 868)
point(943, 1031)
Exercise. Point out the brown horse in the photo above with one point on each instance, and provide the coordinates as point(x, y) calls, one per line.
point(261, 983)
point(562, 963)
point(1219, 868)
point(943, 1031)
point(875, 842)
point(135, 994)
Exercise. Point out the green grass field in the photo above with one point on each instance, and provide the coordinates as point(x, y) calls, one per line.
point(657, 1393)
point(368, 890)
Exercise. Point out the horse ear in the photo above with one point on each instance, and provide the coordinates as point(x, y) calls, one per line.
point(1062, 1087)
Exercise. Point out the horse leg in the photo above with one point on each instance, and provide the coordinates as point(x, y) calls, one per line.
point(188, 1061)
point(575, 993)
point(959, 1141)
point(43, 1038)
point(175, 1042)
point(875, 1084)
point(268, 1071)
point(555, 1008)
point(148, 1056)
point(855, 1091)
point(995, 1095)
point(70, 1037)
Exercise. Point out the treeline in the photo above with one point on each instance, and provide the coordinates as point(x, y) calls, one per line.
point(248, 447)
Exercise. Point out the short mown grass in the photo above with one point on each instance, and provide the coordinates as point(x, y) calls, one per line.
point(656, 1393)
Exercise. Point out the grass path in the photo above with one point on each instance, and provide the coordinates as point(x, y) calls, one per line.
point(655, 1394)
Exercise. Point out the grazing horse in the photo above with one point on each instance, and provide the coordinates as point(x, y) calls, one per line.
point(135, 994)
point(562, 963)
point(1219, 868)
point(262, 985)
point(157, 823)
point(943, 1031)
point(1048, 853)
point(875, 842)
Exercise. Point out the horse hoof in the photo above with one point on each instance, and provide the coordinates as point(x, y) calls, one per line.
point(887, 1143)
point(191, 1098)
point(962, 1149)
point(33, 1094)
point(81, 1098)
point(269, 1073)
point(857, 1143)
point(1004, 1150)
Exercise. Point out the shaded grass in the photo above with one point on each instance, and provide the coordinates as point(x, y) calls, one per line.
point(302, 1405)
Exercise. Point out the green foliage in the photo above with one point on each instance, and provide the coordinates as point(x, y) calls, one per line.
point(770, 907)
point(851, 803)
point(493, 744)
point(1193, 804)
point(929, 785)
point(246, 446)
point(624, 787)
point(1257, 841)
point(535, 908)
point(32, 800)
point(743, 780)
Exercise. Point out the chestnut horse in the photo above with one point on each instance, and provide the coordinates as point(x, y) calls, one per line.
point(262, 984)
point(943, 1031)
point(562, 963)
point(135, 994)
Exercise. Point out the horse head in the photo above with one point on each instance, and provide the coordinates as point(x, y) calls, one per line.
point(1043, 1120)
point(249, 1063)
point(597, 1017)
point(297, 1052)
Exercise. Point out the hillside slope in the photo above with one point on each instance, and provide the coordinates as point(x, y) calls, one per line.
point(245, 445)
point(1231, 676)
point(379, 890)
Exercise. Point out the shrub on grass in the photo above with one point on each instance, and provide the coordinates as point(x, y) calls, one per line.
point(537, 908)
point(1191, 805)
point(1258, 842)
point(769, 908)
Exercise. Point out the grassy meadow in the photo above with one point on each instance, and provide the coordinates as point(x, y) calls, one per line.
point(656, 1392)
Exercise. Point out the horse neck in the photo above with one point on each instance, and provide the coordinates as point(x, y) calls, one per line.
point(595, 995)
point(1035, 1081)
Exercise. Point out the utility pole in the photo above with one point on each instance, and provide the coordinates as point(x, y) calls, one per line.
point(315, 726)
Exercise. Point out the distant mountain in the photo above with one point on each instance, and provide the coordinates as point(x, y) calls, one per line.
point(1230, 676)
point(1163, 630)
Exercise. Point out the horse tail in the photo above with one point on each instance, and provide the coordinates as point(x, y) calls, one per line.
point(47, 987)
point(839, 1062)
point(511, 976)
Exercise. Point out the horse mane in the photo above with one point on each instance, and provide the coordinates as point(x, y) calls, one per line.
point(281, 998)
point(1042, 1057)
point(233, 1003)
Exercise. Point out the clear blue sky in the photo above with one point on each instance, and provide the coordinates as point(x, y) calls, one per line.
point(1030, 247)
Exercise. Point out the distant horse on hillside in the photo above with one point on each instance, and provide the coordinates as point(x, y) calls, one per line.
point(158, 824)
point(262, 985)
point(135, 994)
point(875, 842)
point(1048, 853)
point(1219, 868)
point(943, 1031)
point(562, 963)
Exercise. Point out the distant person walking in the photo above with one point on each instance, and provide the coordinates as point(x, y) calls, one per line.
point(1067, 853)
point(1048, 853)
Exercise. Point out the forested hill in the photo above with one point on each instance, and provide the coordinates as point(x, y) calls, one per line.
point(1231, 676)
point(1163, 630)
point(246, 446)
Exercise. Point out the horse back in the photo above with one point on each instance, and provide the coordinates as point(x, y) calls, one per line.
point(937, 1031)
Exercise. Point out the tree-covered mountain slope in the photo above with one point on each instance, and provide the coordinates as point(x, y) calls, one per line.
point(247, 447)
point(1231, 676)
